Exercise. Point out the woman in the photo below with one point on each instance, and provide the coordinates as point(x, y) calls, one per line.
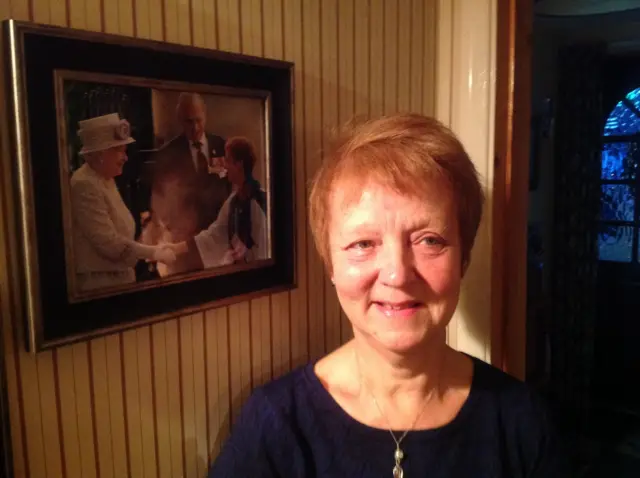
point(394, 210)
point(239, 234)
point(105, 251)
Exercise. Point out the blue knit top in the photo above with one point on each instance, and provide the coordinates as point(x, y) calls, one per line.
point(292, 427)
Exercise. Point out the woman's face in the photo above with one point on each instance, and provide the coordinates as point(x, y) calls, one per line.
point(111, 161)
point(235, 171)
point(396, 264)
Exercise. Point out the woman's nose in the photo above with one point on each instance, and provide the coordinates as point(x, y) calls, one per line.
point(396, 265)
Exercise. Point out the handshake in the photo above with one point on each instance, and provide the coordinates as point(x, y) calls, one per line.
point(164, 253)
point(167, 253)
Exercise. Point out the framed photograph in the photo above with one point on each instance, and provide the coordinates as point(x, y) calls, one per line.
point(151, 180)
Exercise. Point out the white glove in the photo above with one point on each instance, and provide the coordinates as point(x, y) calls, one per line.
point(153, 253)
point(164, 254)
point(142, 251)
point(238, 249)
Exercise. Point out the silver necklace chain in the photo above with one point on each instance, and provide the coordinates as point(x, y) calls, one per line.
point(398, 454)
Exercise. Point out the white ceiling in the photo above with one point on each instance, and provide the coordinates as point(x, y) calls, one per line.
point(583, 7)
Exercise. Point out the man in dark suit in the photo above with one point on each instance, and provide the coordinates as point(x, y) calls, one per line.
point(187, 193)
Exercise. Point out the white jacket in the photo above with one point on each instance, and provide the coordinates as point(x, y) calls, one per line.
point(213, 242)
point(103, 227)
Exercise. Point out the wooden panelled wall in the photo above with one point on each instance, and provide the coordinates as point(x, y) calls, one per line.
point(159, 400)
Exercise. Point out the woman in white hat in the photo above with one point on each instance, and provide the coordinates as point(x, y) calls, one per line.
point(105, 250)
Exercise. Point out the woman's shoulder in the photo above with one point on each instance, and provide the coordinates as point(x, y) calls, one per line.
point(517, 406)
point(84, 179)
point(281, 395)
point(491, 381)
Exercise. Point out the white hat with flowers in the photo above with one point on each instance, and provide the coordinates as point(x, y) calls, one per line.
point(104, 132)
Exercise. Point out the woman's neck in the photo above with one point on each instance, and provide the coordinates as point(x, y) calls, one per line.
point(414, 376)
point(99, 171)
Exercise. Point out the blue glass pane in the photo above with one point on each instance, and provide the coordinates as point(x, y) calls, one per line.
point(614, 243)
point(617, 202)
point(634, 97)
point(621, 121)
point(620, 160)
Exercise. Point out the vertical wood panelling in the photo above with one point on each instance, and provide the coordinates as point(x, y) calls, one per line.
point(224, 376)
point(299, 322)
point(33, 414)
point(93, 15)
point(161, 393)
point(183, 22)
point(239, 355)
point(312, 117)
point(142, 18)
point(329, 34)
point(362, 55)
point(125, 16)
point(260, 341)
point(404, 55)
point(199, 22)
point(77, 14)
point(132, 402)
point(197, 345)
point(390, 42)
point(111, 21)
point(429, 58)
point(188, 396)
point(345, 49)
point(170, 10)
point(116, 406)
point(377, 57)
point(159, 401)
point(50, 426)
point(155, 15)
point(174, 400)
point(417, 55)
point(147, 409)
point(102, 412)
point(58, 13)
point(69, 425)
point(84, 409)
point(19, 9)
point(41, 11)
point(281, 335)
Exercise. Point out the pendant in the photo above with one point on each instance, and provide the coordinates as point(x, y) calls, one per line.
point(397, 470)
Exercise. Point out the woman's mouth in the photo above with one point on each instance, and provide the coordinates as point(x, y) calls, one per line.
point(398, 309)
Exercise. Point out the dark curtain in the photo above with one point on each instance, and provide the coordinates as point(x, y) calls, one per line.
point(578, 133)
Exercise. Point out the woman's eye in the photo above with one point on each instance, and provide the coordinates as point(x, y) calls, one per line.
point(432, 241)
point(362, 245)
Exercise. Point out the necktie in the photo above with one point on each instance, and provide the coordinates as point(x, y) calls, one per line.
point(201, 158)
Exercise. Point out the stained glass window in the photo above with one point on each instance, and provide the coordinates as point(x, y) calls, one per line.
point(615, 243)
point(621, 121)
point(617, 202)
point(618, 231)
point(620, 160)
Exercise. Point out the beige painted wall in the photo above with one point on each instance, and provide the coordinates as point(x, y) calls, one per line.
point(158, 400)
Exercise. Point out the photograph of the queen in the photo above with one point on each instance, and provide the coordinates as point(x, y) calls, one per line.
point(160, 184)
point(105, 249)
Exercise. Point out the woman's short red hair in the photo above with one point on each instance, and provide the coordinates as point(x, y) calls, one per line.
point(406, 152)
